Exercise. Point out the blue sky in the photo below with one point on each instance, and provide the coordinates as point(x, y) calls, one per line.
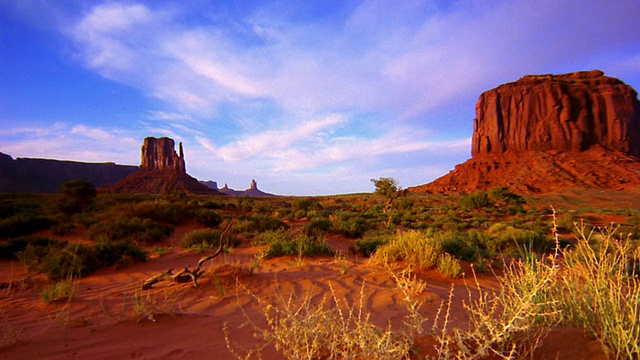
point(306, 97)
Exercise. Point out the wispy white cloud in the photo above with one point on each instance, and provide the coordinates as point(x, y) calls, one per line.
point(249, 91)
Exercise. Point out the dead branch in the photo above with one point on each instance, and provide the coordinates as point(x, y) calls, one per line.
point(186, 274)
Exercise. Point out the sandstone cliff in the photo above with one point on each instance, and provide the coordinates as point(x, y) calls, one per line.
point(160, 155)
point(569, 112)
point(161, 170)
point(544, 133)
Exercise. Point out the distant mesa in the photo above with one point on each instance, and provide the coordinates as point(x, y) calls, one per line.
point(161, 170)
point(251, 191)
point(545, 133)
point(28, 175)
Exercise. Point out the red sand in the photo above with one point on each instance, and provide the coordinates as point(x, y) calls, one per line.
point(100, 321)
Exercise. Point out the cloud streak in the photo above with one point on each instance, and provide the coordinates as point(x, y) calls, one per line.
point(286, 91)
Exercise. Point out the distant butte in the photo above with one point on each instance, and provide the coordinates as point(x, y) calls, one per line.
point(162, 170)
point(251, 191)
point(545, 133)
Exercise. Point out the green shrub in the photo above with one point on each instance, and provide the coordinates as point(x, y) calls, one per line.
point(164, 211)
point(419, 250)
point(139, 230)
point(250, 225)
point(368, 245)
point(271, 236)
point(61, 260)
point(476, 200)
point(300, 245)
point(21, 224)
point(501, 196)
point(317, 227)
point(118, 253)
point(306, 205)
point(459, 245)
point(508, 239)
point(201, 237)
point(208, 218)
point(449, 266)
point(349, 224)
point(12, 248)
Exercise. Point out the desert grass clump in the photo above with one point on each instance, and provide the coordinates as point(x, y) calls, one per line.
point(60, 290)
point(418, 249)
point(601, 288)
point(328, 328)
point(511, 321)
point(449, 266)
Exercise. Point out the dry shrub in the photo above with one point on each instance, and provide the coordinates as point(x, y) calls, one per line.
point(511, 321)
point(333, 329)
point(418, 249)
point(599, 289)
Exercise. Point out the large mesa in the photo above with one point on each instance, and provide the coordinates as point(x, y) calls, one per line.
point(569, 112)
point(544, 133)
point(161, 170)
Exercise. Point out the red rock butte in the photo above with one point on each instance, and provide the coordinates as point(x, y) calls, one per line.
point(544, 133)
point(161, 170)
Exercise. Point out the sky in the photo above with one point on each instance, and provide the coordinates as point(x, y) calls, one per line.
point(305, 97)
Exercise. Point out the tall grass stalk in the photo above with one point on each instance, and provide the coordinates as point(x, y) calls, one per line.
point(601, 289)
point(510, 321)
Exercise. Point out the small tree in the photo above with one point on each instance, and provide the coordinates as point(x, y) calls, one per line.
point(388, 188)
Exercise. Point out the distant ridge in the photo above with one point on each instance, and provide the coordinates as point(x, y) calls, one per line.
point(29, 175)
point(251, 191)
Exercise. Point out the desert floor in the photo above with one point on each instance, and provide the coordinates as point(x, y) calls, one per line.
point(111, 317)
point(105, 319)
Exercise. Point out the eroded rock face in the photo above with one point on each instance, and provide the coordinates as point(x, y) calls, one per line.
point(160, 154)
point(546, 133)
point(569, 112)
point(162, 171)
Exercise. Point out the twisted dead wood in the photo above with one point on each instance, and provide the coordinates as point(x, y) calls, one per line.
point(186, 274)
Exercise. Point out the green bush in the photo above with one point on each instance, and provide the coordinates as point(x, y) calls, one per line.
point(300, 245)
point(250, 225)
point(317, 227)
point(368, 245)
point(508, 239)
point(201, 237)
point(21, 224)
point(476, 200)
point(164, 211)
point(121, 252)
point(349, 224)
point(209, 218)
point(61, 260)
point(12, 248)
point(271, 236)
point(139, 230)
point(459, 245)
point(306, 205)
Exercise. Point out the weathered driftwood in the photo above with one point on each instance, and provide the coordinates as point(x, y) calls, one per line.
point(186, 274)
